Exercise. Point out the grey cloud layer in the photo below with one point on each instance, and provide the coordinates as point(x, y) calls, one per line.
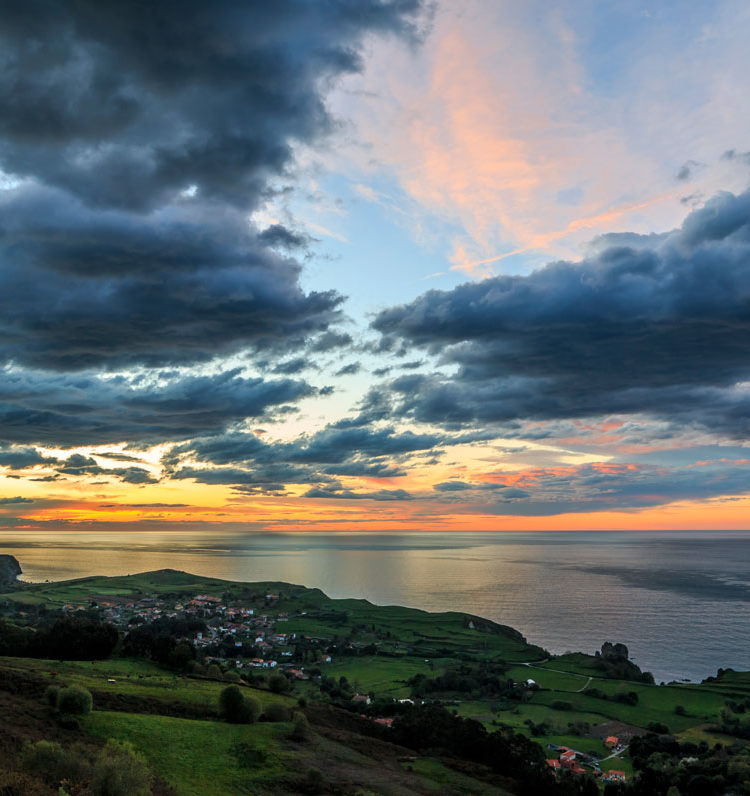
point(246, 462)
point(142, 136)
point(123, 104)
point(82, 289)
point(655, 324)
point(593, 487)
point(67, 410)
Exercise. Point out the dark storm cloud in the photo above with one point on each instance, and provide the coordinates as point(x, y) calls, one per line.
point(329, 446)
point(655, 324)
point(81, 289)
point(330, 340)
point(117, 456)
point(19, 458)
point(364, 469)
point(124, 104)
point(347, 494)
point(349, 370)
point(281, 237)
point(13, 501)
point(141, 137)
point(292, 366)
point(240, 459)
point(452, 486)
point(68, 410)
point(78, 465)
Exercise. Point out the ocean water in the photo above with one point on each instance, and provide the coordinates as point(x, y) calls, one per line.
point(679, 600)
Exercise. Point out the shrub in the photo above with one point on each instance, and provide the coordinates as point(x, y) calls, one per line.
point(235, 708)
point(52, 763)
point(560, 705)
point(657, 727)
point(74, 701)
point(214, 671)
point(680, 710)
point(278, 684)
point(51, 695)
point(314, 781)
point(276, 712)
point(18, 783)
point(301, 729)
point(231, 677)
point(248, 756)
point(120, 771)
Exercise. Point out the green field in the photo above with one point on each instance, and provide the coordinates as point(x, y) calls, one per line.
point(200, 757)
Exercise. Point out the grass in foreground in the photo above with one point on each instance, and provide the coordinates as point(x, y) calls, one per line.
point(200, 757)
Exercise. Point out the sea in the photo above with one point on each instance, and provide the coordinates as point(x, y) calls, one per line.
point(679, 600)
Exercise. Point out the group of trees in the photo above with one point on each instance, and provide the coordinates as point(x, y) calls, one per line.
point(623, 694)
point(482, 679)
point(663, 765)
point(163, 641)
point(434, 730)
point(67, 638)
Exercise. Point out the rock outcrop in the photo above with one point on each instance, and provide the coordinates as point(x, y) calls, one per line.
point(10, 569)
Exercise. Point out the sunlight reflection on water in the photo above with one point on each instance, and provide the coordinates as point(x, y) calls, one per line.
point(679, 600)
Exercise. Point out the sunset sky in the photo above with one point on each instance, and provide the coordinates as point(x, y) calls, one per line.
point(374, 265)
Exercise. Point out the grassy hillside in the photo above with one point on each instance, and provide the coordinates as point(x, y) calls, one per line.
point(386, 652)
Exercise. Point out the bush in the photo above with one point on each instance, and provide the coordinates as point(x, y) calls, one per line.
point(235, 708)
point(120, 771)
point(301, 729)
point(74, 701)
point(657, 727)
point(278, 684)
point(51, 695)
point(560, 705)
point(276, 712)
point(314, 781)
point(18, 783)
point(680, 710)
point(52, 763)
point(231, 677)
point(213, 671)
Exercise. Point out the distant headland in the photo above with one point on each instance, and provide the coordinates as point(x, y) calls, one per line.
point(10, 569)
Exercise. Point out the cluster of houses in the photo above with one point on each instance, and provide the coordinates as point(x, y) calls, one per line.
point(237, 625)
point(574, 761)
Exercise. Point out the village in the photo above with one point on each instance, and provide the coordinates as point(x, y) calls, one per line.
point(235, 636)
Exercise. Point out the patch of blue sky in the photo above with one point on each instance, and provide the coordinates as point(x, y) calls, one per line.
point(385, 250)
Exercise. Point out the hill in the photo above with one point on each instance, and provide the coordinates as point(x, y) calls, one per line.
point(372, 685)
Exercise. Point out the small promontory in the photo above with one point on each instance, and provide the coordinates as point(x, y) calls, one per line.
point(10, 569)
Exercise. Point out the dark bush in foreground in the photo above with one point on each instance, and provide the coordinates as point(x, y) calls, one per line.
point(276, 712)
point(74, 701)
point(236, 708)
point(119, 771)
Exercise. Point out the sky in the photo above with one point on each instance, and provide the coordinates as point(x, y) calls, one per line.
point(384, 265)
